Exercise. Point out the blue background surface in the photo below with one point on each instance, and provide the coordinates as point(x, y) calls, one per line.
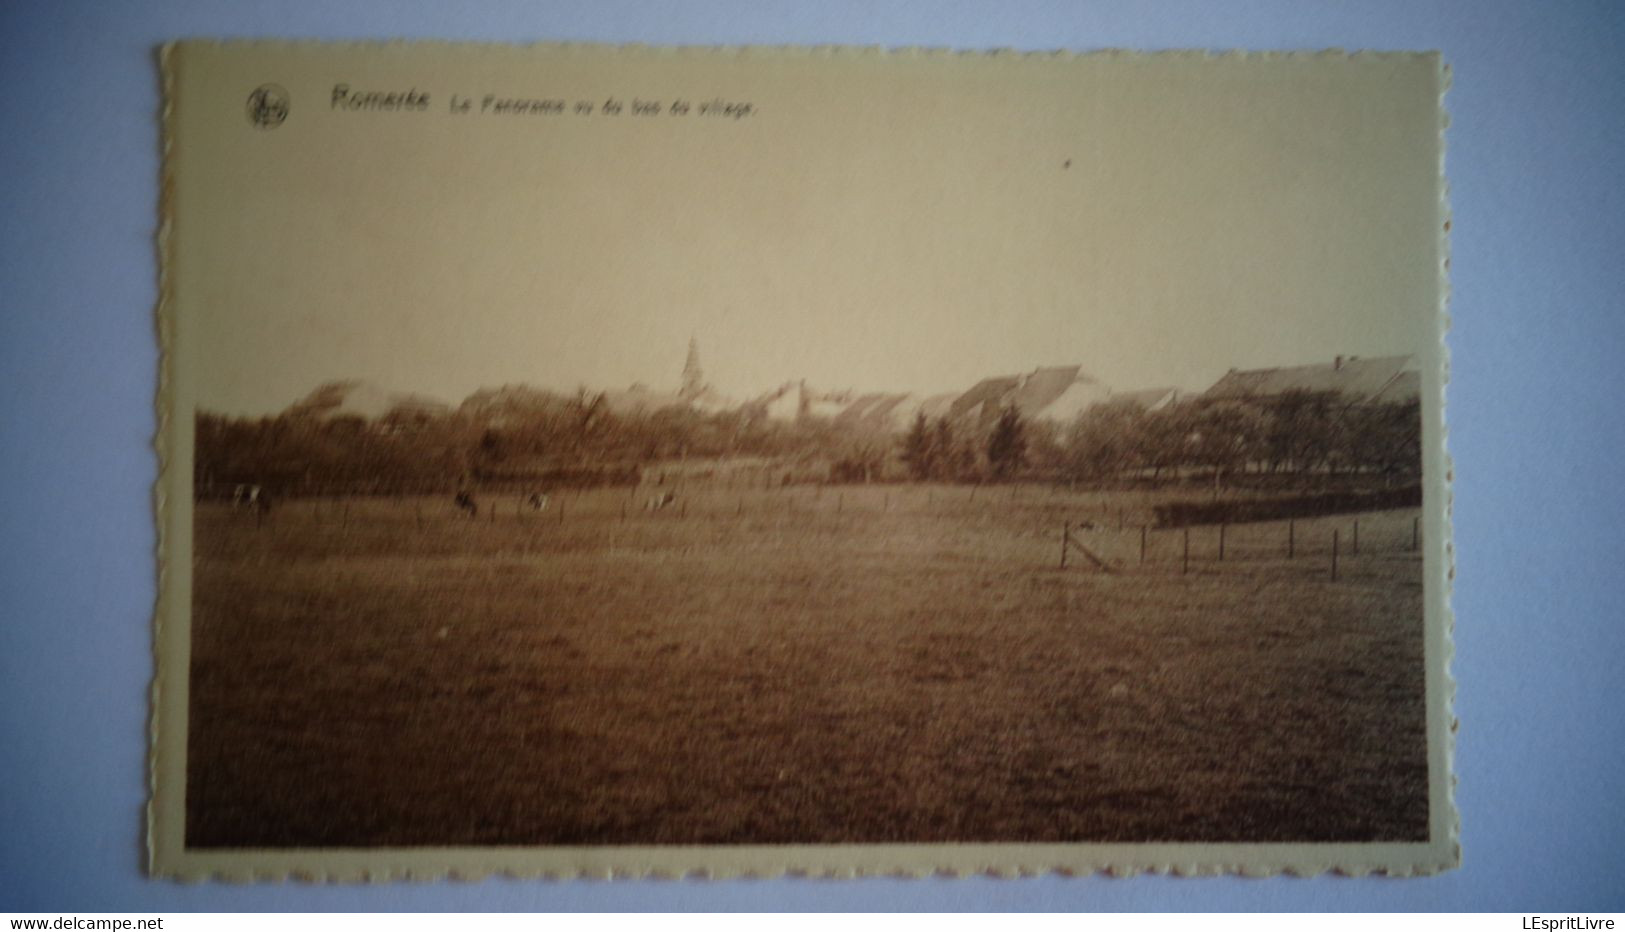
point(1536, 151)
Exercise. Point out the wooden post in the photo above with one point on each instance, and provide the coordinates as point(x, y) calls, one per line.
point(1334, 555)
point(1142, 543)
point(1066, 536)
point(1185, 561)
point(1291, 539)
point(1221, 542)
point(1356, 548)
point(1416, 528)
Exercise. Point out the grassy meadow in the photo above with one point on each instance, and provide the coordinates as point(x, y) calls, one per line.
point(903, 663)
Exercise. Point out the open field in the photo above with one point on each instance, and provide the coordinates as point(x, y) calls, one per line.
point(835, 664)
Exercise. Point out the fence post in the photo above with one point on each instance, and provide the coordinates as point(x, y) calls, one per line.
point(1142, 543)
point(1066, 535)
point(1221, 543)
point(1356, 549)
point(1334, 555)
point(1291, 539)
point(1185, 561)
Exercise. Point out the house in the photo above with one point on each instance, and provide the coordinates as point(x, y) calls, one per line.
point(1055, 393)
point(368, 402)
point(1146, 399)
point(935, 406)
point(877, 412)
point(781, 404)
point(984, 399)
point(639, 399)
point(1351, 380)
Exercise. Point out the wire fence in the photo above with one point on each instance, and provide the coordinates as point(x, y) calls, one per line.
point(1102, 532)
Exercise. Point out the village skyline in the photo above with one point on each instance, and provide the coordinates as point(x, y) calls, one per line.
point(1048, 393)
point(728, 390)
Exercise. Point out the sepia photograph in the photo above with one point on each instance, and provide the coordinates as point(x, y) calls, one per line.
point(692, 460)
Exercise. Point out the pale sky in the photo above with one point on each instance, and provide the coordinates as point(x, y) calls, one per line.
point(883, 224)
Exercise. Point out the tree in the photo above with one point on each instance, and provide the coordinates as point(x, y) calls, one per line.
point(1384, 438)
point(1104, 441)
point(1164, 435)
point(1302, 430)
point(949, 455)
point(1226, 436)
point(859, 462)
point(1046, 447)
point(1007, 444)
point(919, 449)
point(955, 459)
point(588, 413)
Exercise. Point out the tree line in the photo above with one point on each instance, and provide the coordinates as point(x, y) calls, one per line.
point(1297, 435)
point(577, 440)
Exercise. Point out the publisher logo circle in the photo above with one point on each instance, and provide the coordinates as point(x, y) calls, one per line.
point(268, 106)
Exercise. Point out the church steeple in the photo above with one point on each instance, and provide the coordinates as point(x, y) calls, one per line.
point(693, 378)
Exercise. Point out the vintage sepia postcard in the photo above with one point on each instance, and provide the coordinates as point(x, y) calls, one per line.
point(584, 460)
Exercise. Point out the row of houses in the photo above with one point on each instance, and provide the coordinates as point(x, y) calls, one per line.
point(1059, 394)
point(1054, 394)
point(1352, 380)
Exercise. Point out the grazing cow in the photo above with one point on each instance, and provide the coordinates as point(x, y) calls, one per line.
point(661, 501)
point(537, 501)
point(465, 501)
point(253, 498)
